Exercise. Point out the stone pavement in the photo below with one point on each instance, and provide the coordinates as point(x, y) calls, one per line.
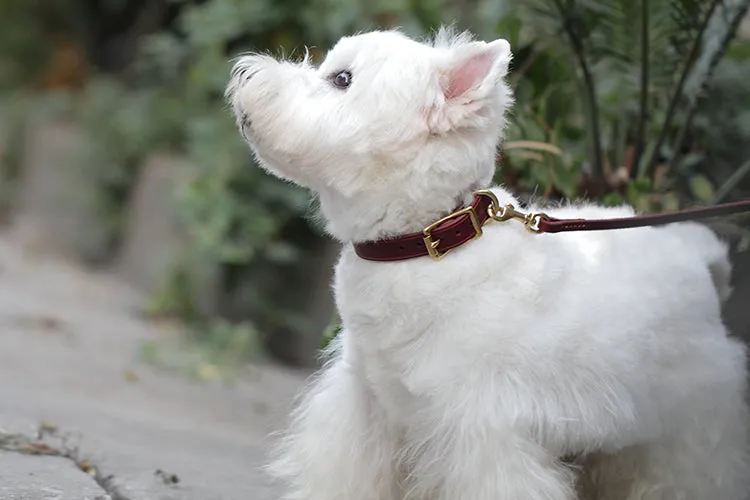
point(67, 343)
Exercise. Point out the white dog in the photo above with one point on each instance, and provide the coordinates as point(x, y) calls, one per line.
point(473, 377)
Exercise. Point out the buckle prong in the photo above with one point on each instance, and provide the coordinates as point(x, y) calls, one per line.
point(432, 244)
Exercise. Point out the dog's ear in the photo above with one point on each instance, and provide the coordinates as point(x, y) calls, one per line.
point(475, 68)
point(472, 76)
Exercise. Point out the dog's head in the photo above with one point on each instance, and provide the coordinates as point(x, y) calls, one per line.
point(382, 112)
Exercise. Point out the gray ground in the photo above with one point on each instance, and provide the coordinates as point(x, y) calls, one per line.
point(67, 344)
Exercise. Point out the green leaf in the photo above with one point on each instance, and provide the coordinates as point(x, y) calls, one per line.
point(702, 188)
point(613, 200)
point(333, 330)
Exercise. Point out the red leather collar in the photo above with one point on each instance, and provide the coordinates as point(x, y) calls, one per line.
point(436, 240)
point(466, 224)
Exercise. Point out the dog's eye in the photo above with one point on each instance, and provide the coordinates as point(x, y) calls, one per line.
point(342, 80)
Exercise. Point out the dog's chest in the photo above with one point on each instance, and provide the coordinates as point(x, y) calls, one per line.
point(387, 386)
point(400, 324)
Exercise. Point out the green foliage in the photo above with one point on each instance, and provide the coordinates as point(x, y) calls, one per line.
point(234, 211)
point(215, 352)
point(641, 69)
point(332, 331)
point(175, 298)
point(21, 42)
point(120, 134)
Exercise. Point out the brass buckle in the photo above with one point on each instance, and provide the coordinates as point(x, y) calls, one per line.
point(432, 245)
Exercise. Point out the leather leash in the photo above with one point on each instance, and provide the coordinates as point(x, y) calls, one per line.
point(548, 224)
point(464, 225)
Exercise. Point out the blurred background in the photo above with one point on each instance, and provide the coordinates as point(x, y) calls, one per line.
point(117, 150)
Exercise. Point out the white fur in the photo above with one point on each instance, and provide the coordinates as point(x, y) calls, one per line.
point(470, 378)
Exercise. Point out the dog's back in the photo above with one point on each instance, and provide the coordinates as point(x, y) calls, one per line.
point(693, 237)
point(711, 249)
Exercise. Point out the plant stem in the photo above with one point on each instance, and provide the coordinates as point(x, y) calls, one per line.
point(703, 71)
point(647, 162)
point(680, 140)
point(719, 33)
point(732, 182)
point(521, 71)
point(643, 112)
point(589, 95)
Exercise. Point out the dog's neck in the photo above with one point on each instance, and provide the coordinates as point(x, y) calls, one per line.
point(425, 188)
point(366, 218)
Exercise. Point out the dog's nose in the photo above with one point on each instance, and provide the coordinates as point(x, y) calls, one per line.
point(245, 121)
